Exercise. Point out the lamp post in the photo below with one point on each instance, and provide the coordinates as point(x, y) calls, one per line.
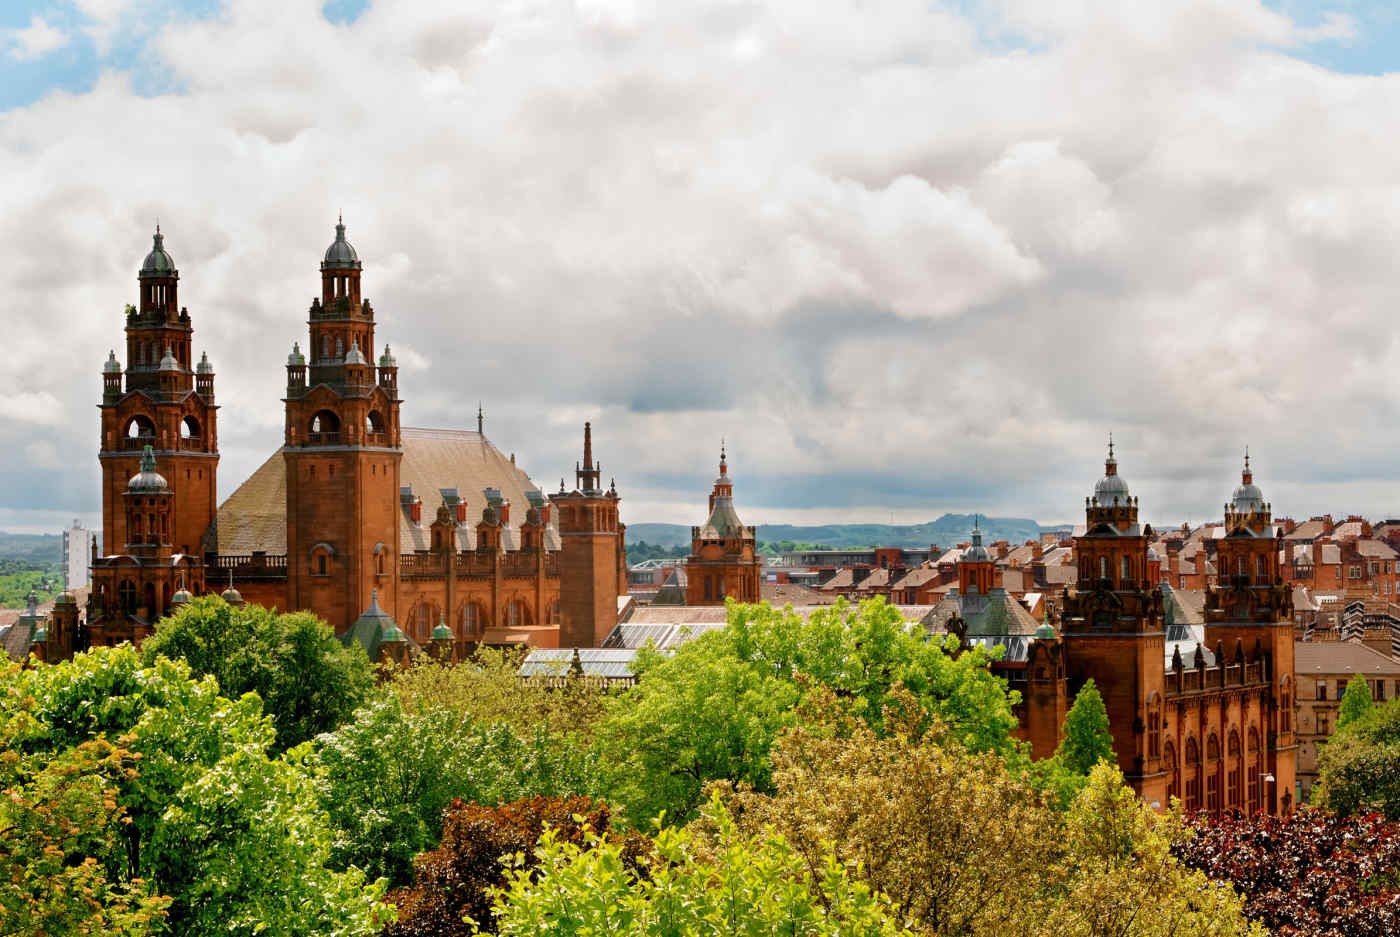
point(1265, 778)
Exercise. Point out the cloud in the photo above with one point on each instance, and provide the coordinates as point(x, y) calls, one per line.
point(919, 261)
point(36, 40)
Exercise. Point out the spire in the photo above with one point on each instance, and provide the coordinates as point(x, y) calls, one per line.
point(481, 422)
point(588, 473)
point(723, 461)
point(1110, 465)
point(1247, 476)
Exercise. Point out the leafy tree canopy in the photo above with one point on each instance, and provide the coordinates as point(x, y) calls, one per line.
point(1359, 767)
point(386, 777)
point(1356, 702)
point(308, 681)
point(198, 811)
point(712, 710)
point(744, 885)
point(1311, 874)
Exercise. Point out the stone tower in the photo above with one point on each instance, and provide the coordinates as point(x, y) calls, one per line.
point(1112, 629)
point(723, 561)
point(342, 450)
point(975, 566)
point(1250, 612)
point(167, 403)
point(590, 542)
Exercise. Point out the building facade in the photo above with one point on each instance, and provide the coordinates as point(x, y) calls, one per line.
point(433, 528)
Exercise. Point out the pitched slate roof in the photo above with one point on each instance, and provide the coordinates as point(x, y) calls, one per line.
point(434, 460)
point(1350, 657)
point(1308, 530)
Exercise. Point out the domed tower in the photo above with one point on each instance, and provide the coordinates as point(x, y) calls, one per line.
point(975, 566)
point(723, 561)
point(1250, 611)
point(167, 403)
point(343, 450)
point(1112, 628)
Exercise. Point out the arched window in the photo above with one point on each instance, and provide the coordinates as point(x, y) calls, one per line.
point(1213, 774)
point(1127, 574)
point(1173, 771)
point(1234, 772)
point(1103, 567)
point(471, 618)
point(374, 423)
point(321, 555)
point(189, 428)
point(1154, 726)
point(325, 347)
point(1193, 775)
point(325, 427)
point(140, 427)
point(517, 614)
point(339, 348)
point(1239, 566)
point(553, 613)
point(380, 553)
point(1285, 706)
point(150, 599)
point(1259, 569)
point(126, 595)
point(422, 622)
point(1254, 769)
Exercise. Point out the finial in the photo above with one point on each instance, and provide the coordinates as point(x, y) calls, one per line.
point(230, 577)
point(1110, 445)
point(157, 224)
point(481, 421)
point(148, 459)
point(1246, 458)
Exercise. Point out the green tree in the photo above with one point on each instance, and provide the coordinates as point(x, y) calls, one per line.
point(59, 818)
point(937, 828)
point(386, 776)
point(1356, 702)
point(308, 681)
point(745, 885)
point(487, 688)
point(201, 813)
point(1358, 770)
point(712, 710)
point(1119, 876)
point(1087, 740)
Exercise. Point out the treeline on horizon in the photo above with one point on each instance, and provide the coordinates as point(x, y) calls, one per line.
point(245, 772)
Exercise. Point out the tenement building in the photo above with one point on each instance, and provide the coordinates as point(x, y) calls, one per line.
point(431, 528)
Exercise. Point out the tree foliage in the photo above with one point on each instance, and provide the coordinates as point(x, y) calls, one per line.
point(712, 710)
point(939, 829)
point(745, 885)
point(942, 830)
point(199, 811)
point(308, 681)
point(1356, 702)
point(386, 777)
point(59, 818)
point(1311, 874)
point(1359, 767)
point(454, 884)
point(487, 688)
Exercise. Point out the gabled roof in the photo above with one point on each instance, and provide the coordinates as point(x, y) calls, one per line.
point(434, 460)
point(1341, 657)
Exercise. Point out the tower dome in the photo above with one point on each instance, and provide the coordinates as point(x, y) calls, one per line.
point(1247, 498)
point(340, 255)
point(976, 553)
point(148, 479)
point(1112, 488)
point(204, 367)
point(354, 355)
point(168, 362)
point(112, 366)
point(158, 262)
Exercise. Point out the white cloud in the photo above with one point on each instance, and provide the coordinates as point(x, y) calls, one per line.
point(42, 453)
point(36, 40)
point(895, 266)
point(41, 408)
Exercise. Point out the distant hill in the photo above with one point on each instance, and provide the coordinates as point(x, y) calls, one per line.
point(948, 530)
point(38, 548)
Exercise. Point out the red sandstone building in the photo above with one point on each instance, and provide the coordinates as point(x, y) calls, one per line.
point(355, 511)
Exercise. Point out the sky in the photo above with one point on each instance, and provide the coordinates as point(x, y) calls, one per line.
point(904, 257)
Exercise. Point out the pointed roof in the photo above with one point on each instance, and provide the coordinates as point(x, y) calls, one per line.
point(374, 627)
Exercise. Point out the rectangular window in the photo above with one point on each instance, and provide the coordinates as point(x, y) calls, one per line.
point(1322, 689)
point(1341, 689)
point(1323, 724)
